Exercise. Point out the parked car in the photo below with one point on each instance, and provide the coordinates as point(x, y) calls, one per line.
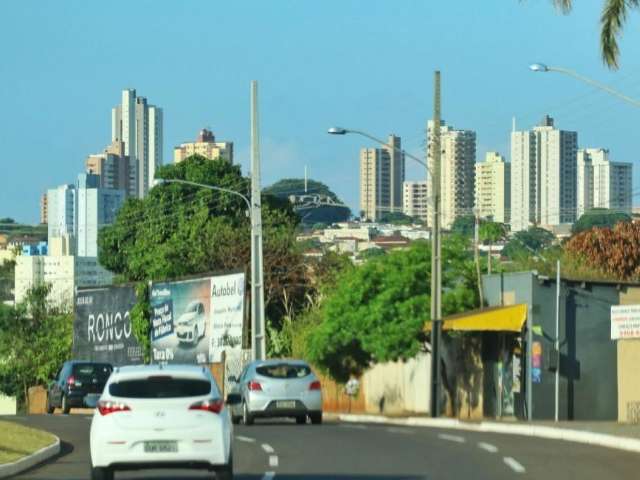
point(77, 384)
point(191, 325)
point(277, 388)
point(153, 416)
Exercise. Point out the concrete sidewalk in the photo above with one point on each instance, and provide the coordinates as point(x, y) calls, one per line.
point(605, 434)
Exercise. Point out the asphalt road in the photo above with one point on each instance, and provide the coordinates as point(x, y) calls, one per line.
point(283, 450)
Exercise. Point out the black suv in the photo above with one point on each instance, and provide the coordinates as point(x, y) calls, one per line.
point(77, 384)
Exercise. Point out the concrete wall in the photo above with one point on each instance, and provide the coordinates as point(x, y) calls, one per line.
point(628, 361)
point(7, 405)
point(398, 387)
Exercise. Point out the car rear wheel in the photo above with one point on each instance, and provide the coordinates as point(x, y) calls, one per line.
point(65, 405)
point(50, 408)
point(301, 419)
point(101, 473)
point(226, 472)
point(247, 418)
point(316, 418)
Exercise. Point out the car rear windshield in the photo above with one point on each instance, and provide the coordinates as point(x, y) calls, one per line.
point(90, 371)
point(284, 370)
point(160, 387)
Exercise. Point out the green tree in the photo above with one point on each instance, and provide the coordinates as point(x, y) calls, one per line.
point(7, 220)
point(491, 233)
point(35, 339)
point(612, 19)
point(464, 225)
point(396, 218)
point(377, 312)
point(599, 217)
point(528, 242)
point(180, 230)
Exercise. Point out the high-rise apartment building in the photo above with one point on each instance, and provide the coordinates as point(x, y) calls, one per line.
point(457, 172)
point(543, 176)
point(206, 146)
point(61, 213)
point(43, 209)
point(415, 199)
point(382, 172)
point(139, 126)
point(602, 183)
point(95, 207)
point(493, 188)
point(113, 167)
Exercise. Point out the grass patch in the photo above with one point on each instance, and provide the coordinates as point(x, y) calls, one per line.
point(17, 441)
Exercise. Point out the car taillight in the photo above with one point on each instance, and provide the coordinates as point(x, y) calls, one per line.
point(215, 405)
point(315, 385)
point(107, 407)
point(71, 380)
point(255, 386)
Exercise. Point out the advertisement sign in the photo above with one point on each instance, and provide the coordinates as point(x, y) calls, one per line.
point(194, 321)
point(625, 321)
point(536, 362)
point(102, 326)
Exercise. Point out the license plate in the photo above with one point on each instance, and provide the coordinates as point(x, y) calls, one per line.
point(286, 404)
point(161, 447)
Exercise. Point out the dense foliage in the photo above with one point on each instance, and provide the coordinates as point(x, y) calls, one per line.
point(35, 339)
point(527, 243)
point(377, 312)
point(295, 186)
point(599, 217)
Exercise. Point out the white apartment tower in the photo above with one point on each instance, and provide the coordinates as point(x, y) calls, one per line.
point(382, 172)
point(603, 183)
point(457, 172)
point(543, 176)
point(415, 199)
point(139, 126)
point(493, 188)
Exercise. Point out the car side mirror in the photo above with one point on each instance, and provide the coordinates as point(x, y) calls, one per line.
point(233, 399)
point(232, 379)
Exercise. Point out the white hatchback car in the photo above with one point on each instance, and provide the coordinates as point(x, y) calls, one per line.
point(152, 416)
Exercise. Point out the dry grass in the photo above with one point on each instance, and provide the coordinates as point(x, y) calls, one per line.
point(17, 441)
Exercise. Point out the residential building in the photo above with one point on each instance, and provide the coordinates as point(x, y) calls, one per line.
point(602, 183)
point(39, 248)
point(206, 146)
point(139, 126)
point(415, 199)
point(43, 209)
point(61, 211)
point(63, 273)
point(493, 188)
point(96, 207)
point(543, 176)
point(113, 167)
point(457, 172)
point(382, 172)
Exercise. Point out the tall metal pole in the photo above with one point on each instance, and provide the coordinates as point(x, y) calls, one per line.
point(557, 344)
point(436, 267)
point(476, 251)
point(258, 345)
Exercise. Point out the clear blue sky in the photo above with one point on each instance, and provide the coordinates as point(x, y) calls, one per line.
point(364, 64)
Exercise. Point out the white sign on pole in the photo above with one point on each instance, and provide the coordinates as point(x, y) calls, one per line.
point(625, 321)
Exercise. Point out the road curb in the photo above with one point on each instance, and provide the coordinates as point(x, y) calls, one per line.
point(541, 431)
point(10, 469)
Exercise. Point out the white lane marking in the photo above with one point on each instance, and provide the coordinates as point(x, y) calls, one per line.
point(400, 430)
point(269, 475)
point(267, 448)
point(488, 447)
point(273, 461)
point(513, 463)
point(245, 439)
point(355, 427)
point(451, 438)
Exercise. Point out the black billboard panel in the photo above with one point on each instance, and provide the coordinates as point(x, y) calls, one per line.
point(102, 329)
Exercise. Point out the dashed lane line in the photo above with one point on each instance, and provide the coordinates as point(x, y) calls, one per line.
point(487, 447)
point(273, 461)
point(514, 465)
point(404, 431)
point(269, 475)
point(451, 438)
point(354, 427)
point(267, 448)
point(245, 439)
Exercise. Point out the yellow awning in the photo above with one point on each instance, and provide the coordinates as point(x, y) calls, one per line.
point(496, 319)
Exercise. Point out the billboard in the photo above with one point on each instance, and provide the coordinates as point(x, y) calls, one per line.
point(194, 321)
point(625, 321)
point(102, 326)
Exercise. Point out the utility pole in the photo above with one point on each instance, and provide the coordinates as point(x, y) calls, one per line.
point(557, 344)
point(436, 265)
point(258, 345)
point(476, 249)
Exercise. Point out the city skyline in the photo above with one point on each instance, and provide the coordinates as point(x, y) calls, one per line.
point(481, 94)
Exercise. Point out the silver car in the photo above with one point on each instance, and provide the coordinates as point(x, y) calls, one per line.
point(276, 388)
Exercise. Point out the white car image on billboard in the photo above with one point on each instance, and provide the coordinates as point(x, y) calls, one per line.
point(191, 326)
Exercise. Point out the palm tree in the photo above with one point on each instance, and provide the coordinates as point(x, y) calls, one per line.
point(492, 232)
point(612, 19)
